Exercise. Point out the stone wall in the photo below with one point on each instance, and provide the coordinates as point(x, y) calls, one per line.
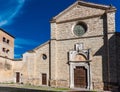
point(28, 68)
point(42, 63)
point(78, 11)
point(6, 70)
point(19, 66)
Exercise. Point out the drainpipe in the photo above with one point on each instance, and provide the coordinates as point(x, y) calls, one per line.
point(49, 62)
point(107, 49)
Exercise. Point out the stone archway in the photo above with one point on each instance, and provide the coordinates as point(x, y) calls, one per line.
point(80, 57)
point(85, 71)
point(80, 72)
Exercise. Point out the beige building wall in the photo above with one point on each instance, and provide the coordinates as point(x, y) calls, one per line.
point(6, 70)
point(6, 44)
point(42, 63)
point(28, 68)
point(34, 65)
point(6, 57)
point(18, 67)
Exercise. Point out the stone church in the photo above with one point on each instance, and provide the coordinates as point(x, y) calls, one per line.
point(82, 52)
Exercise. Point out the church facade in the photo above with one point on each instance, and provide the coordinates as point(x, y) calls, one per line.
point(81, 53)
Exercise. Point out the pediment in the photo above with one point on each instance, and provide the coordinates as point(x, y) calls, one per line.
point(81, 9)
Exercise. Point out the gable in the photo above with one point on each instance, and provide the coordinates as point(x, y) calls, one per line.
point(81, 10)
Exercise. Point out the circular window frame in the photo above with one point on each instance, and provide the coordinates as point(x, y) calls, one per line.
point(83, 24)
point(44, 56)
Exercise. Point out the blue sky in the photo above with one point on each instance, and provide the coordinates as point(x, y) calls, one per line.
point(28, 20)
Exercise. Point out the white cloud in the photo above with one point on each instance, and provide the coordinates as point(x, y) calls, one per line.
point(3, 22)
point(10, 10)
point(18, 46)
point(21, 41)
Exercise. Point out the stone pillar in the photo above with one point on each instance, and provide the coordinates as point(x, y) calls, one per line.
point(53, 63)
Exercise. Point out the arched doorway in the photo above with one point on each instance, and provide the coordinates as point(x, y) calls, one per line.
point(79, 71)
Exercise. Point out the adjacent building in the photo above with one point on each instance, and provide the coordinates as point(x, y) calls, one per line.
point(6, 56)
point(6, 44)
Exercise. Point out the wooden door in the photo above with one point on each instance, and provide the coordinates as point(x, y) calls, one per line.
point(44, 79)
point(17, 77)
point(80, 77)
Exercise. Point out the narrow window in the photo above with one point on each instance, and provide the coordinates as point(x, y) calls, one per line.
point(4, 39)
point(3, 49)
point(8, 41)
point(7, 51)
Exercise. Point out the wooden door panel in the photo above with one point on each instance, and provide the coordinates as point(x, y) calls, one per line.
point(17, 77)
point(44, 79)
point(80, 77)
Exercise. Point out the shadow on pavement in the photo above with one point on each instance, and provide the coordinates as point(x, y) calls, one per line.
point(12, 89)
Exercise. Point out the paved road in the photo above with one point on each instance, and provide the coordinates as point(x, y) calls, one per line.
point(12, 89)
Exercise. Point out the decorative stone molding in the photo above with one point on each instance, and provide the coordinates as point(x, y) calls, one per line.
point(87, 67)
point(80, 57)
point(79, 54)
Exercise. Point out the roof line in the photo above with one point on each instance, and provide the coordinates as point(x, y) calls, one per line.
point(6, 32)
point(42, 45)
point(33, 50)
point(89, 4)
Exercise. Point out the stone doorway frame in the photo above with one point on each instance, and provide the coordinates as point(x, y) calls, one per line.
point(83, 64)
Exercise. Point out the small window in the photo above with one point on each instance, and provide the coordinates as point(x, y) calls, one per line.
point(7, 51)
point(3, 49)
point(4, 39)
point(8, 41)
point(44, 56)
